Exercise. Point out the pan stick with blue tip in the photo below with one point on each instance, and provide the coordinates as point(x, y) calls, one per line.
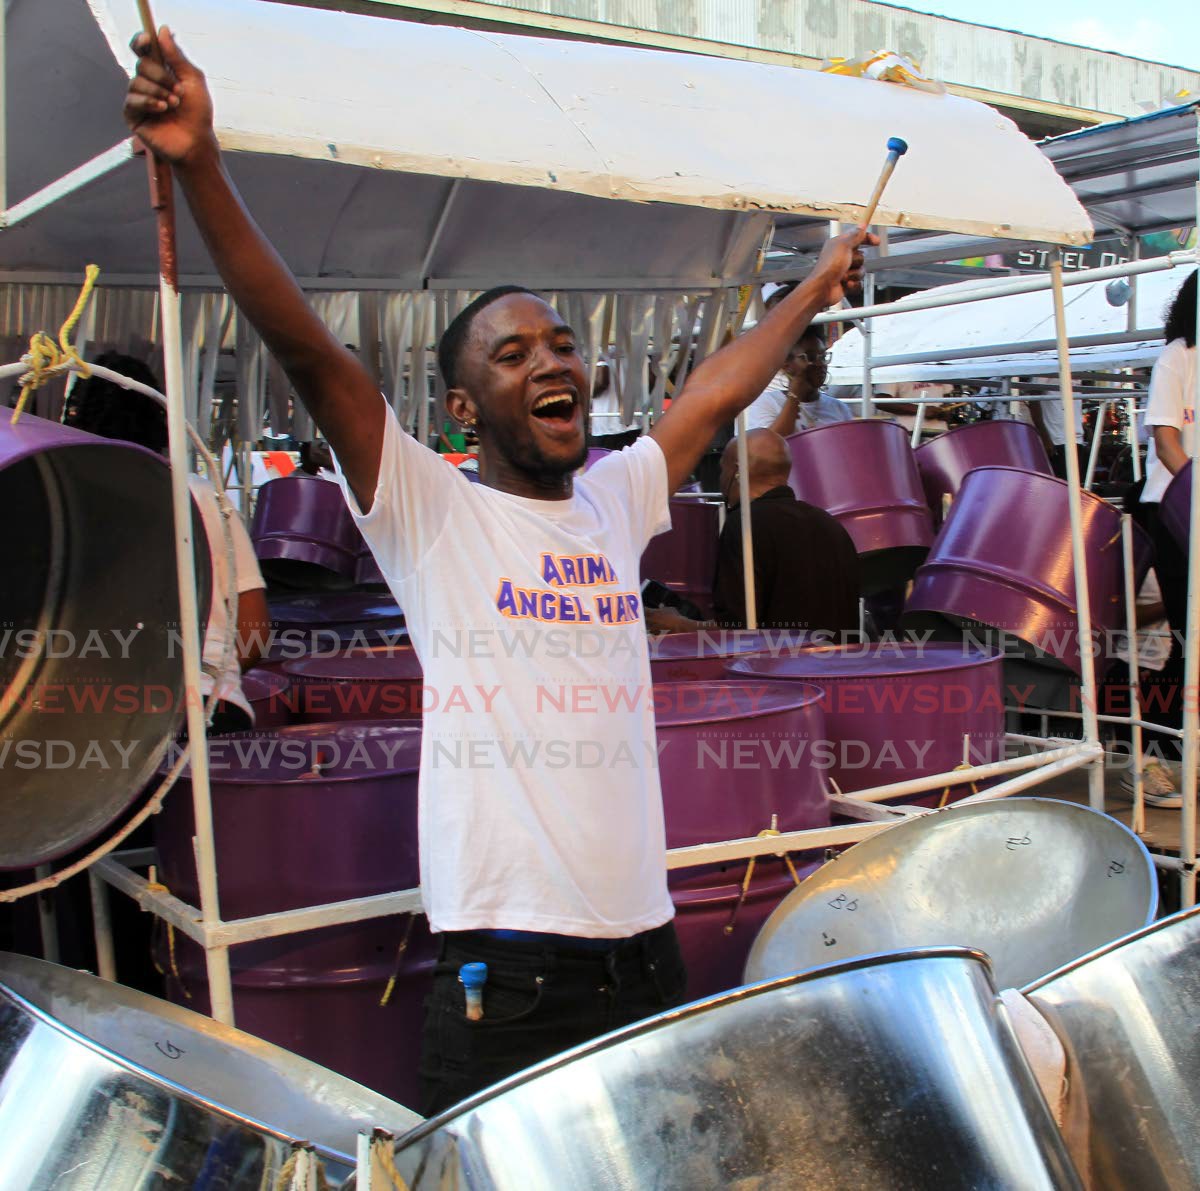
point(896, 148)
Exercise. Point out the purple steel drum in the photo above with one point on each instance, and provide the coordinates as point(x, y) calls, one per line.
point(697, 657)
point(1176, 506)
point(327, 624)
point(303, 533)
point(303, 816)
point(685, 557)
point(944, 461)
point(388, 684)
point(90, 607)
point(366, 571)
point(266, 692)
point(1003, 561)
point(897, 711)
point(594, 455)
point(733, 760)
point(863, 473)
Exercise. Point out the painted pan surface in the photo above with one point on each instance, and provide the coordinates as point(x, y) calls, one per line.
point(1031, 882)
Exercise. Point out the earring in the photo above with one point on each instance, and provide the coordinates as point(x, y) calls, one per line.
point(469, 423)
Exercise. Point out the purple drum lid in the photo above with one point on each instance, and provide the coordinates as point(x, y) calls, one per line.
point(862, 661)
point(677, 704)
point(334, 609)
point(343, 751)
point(722, 643)
point(386, 665)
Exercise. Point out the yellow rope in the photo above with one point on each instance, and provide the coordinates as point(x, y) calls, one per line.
point(155, 886)
point(382, 1149)
point(391, 984)
point(946, 792)
point(46, 359)
point(766, 832)
point(287, 1172)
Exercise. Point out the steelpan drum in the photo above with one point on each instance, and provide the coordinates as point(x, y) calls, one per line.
point(267, 694)
point(945, 460)
point(695, 657)
point(302, 816)
point(91, 690)
point(863, 473)
point(381, 684)
point(898, 1072)
point(106, 1089)
point(1176, 506)
point(1126, 1016)
point(1032, 882)
point(1002, 561)
point(897, 710)
point(304, 535)
point(685, 557)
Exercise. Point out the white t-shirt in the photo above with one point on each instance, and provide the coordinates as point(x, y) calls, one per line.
point(769, 404)
point(540, 805)
point(248, 577)
point(1154, 639)
point(1172, 384)
point(1052, 416)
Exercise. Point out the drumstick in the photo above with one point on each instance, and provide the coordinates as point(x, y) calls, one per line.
point(148, 23)
point(896, 149)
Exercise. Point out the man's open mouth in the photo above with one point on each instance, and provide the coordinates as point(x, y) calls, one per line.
point(555, 407)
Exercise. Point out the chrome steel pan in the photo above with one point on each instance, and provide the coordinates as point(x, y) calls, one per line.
point(1126, 1016)
point(897, 1072)
point(1032, 882)
point(106, 1089)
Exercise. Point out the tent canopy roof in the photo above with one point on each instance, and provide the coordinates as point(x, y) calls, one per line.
point(407, 154)
point(1015, 319)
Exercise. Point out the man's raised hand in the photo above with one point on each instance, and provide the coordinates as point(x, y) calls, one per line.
point(168, 105)
point(839, 268)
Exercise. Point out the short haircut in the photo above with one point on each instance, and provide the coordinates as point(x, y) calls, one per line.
point(105, 408)
point(454, 338)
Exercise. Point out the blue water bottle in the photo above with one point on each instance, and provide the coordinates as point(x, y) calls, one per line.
point(473, 977)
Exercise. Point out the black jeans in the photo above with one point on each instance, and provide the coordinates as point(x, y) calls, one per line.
point(539, 999)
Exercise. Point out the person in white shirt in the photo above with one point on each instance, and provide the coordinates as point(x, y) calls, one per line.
point(1169, 418)
point(541, 832)
point(795, 399)
point(1046, 417)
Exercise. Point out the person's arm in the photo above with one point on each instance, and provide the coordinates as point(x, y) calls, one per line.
point(1168, 446)
point(169, 108)
point(253, 625)
point(730, 379)
point(785, 420)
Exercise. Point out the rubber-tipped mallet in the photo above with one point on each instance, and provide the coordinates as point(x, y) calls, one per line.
point(896, 148)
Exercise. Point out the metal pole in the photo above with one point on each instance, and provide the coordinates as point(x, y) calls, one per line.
point(1135, 447)
point(106, 960)
point(1094, 453)
point(1091, 727)
point(1191, 652)
point(1135, 695)
point(868, 388)
point(743, 462)
point(3, 110)
point(47, 917)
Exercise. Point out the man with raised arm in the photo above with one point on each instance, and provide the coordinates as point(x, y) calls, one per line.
point(541, 822)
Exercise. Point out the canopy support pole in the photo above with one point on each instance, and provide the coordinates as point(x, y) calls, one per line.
point(1091, 726)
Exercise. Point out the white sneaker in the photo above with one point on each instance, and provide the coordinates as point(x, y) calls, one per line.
point(1158, 786)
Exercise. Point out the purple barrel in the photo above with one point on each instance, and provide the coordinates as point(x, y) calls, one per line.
point(326, 624)
point(304, 535)
point(1002, 560)
point(1176, 506)
point(863, 473)
point(89, 620)
point(734, 761)
point(594, 455)
point(366, 570)
point(697, 657)
point(717, 920)
point(945, 460)
point(303, 816)
point(685, 557)
point(734, 755)
point(387, 684)
point(897, 711)
point(267, 694)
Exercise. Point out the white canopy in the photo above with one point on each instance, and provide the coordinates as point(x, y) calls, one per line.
point(1018, 319)
point(489, 156)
